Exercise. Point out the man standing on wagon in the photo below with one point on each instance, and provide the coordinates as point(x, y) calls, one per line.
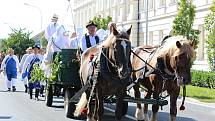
point(51, 28)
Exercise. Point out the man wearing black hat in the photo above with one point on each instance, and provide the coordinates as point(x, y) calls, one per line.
point(32, 59)
point(90, 38)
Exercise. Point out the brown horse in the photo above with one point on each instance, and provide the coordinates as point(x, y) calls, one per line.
point(113, 56)
point(166, 68)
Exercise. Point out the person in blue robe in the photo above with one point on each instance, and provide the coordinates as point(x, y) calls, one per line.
point(34, 58)
point(10, 66)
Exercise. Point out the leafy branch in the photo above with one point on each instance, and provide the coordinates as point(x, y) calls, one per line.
point(37, 74)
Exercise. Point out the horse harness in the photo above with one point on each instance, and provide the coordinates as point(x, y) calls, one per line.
point(166, 72)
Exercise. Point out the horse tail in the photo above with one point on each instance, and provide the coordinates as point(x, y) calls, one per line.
point(81, 105)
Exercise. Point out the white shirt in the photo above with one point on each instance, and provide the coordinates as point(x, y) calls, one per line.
point(3, 65)
point(29, 59)
point(23, 60)
point(50, 30)
point(61, 41)
point(83, 44)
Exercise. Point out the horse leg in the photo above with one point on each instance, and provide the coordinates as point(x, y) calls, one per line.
point(95, 114)
point(139, 111)
point(173, 102)
point(90, 109)
point(147, 96)
point(119, 104)
point(155, 108)
point(100, 108)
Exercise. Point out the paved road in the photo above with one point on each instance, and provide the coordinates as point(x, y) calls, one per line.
point(16, 106)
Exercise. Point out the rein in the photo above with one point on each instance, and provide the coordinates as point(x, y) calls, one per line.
point(114, 65)
point(176, 77)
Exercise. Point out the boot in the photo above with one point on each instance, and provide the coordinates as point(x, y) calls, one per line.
point(31, 93)
point(14, 88)
point(37, 94)
point(26, 88)
point(42, 90)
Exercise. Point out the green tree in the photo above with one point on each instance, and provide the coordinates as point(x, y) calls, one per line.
point(182, 25)
point(210, 39)
point(19, 40)
point(44, 42)
point(102, 22)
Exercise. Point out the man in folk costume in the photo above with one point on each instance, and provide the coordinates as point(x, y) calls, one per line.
point(51, 28)
point(22, 71)
point(49, 31)
point(60, 41)
point(10, 63)
point(32, 59)
point(90, 38)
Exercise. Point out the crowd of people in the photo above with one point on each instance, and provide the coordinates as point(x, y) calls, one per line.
point(58, 39)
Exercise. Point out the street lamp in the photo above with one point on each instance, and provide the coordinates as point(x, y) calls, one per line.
point(41, 17)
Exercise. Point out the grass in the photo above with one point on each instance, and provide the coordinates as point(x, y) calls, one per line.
point(200, 93)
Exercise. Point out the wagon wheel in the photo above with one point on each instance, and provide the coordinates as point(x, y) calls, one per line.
point(69, 107)
point(49, 96)
point(125, 108)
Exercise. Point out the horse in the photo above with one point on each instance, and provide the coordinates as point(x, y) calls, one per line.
point(163, 68)
point(113, 74)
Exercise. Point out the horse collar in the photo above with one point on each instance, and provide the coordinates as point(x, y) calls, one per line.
point(164, 68)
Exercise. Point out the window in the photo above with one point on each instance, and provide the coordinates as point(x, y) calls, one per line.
point(150, 40)
point(162, 3)
point(128, 6)
point(151, 4)
point(142, 5)
point(172, 1)
point(121, 1)
point(201, 48)
point(141, 38)
point(160, 36)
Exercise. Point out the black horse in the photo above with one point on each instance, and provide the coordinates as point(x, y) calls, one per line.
point(113, 71)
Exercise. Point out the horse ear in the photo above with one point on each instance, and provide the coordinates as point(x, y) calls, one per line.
point(129, 30)
point(115, 32)
point(192, 43)
point(178, 44)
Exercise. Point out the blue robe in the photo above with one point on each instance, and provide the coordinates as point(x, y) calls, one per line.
point(11, 69)
point(35, 84)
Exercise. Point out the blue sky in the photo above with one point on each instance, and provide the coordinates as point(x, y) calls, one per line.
point(13, 13)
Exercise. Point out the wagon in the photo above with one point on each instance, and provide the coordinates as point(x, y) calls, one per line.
point(67, 83)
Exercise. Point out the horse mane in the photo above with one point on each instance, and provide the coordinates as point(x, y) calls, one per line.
point(169, 47)
point(108, 41)
point(112, 38)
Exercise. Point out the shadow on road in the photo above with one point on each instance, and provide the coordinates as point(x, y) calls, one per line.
point(5, 117)
point(57, 106)
point(12, 91)
point(164, 115)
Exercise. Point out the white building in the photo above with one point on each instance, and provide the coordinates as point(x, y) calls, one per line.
point(161, 14)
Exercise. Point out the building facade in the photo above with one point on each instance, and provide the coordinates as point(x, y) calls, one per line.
point(161, 14)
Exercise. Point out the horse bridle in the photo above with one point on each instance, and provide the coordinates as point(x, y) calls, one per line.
point(113, 64)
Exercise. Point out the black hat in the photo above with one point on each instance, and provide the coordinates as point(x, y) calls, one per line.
point(91, 23)
point(36, 46)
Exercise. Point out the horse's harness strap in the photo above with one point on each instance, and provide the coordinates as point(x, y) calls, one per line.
point(108, 59)
point(94, 74)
